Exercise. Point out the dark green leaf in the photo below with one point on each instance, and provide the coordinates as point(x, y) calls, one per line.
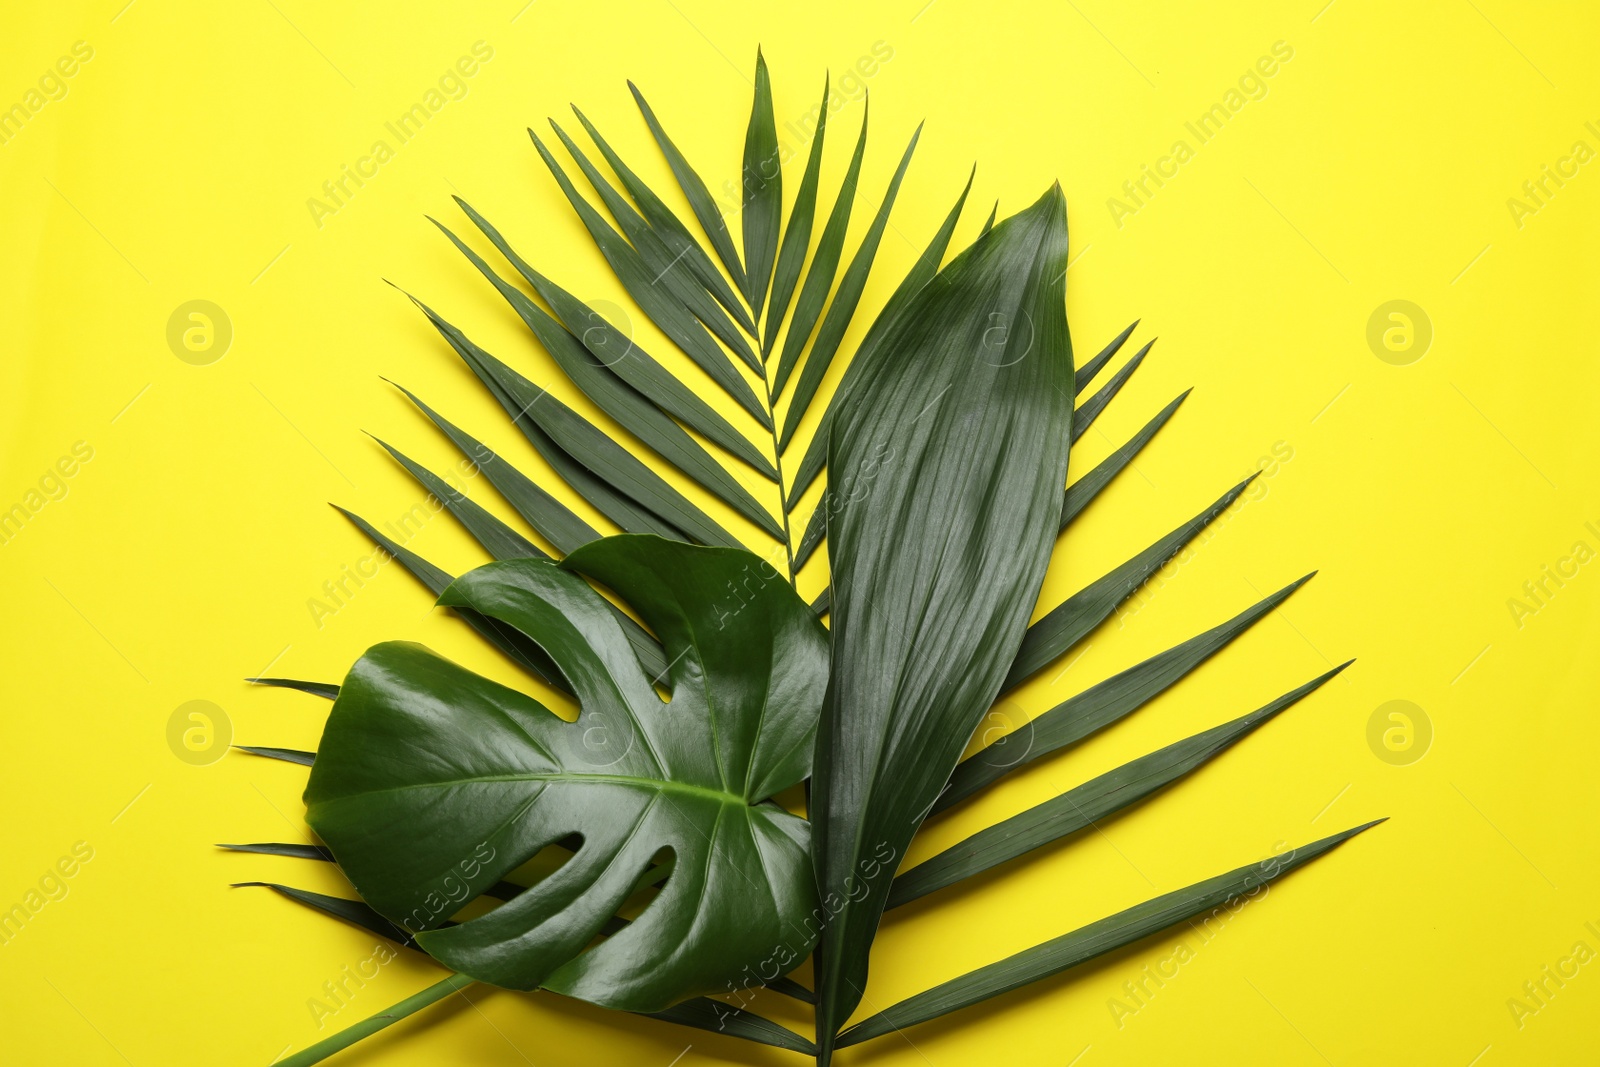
point(926, 266)
point(504, 543)
point(988, 223)
point(325, 690)
point(969, 429)
point(1098, 938)
point(630, 408)
point(816, 527)
point(426, 770)
point(663, 268)
point(700, 1012)
point(671, 230)
point(1089, 370)
point(1078, 808)
point(554, 520)
point(1090, 409)
point(287, 755)
point(661, 305)
point(508, 641)
point(1083, 491)
point(843, 306)
point(1101, 705)
point(703, 1013)
point(622, 356)
point(497, 539)
point(1071, 621)
point(351, 911)
point(605, 460)
point(824, 264)
point(797, 233)
point(761, 204)
point(278, 848)
point(705, 209)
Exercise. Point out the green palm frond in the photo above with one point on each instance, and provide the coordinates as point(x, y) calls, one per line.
point(752, 318)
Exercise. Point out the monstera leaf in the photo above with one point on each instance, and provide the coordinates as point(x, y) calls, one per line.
point(432, 783)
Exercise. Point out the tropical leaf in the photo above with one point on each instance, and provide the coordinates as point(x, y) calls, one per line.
point(695, 191)
point(1090, 370)
point(1081, 492)
point(796, 233)
point(432, 783)
point(824, 264)
point(926, 266)
point(1078, 808)
point(1090, 409)
point(667, 227)
point(631, 409)
point(623, 356)
point(944, 449)
point(761, 203)
point(1068, 950)
point(837, 320)
point(1100, 705)
point(1072, 620)
point(661, 302)
point(971, 427)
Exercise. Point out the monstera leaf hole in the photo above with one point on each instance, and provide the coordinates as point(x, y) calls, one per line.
point(434, 786)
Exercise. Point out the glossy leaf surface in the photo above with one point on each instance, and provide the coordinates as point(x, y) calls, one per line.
point(432, 783)
point(936, 570)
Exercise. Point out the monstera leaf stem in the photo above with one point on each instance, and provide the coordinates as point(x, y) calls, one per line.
point(367, 1027)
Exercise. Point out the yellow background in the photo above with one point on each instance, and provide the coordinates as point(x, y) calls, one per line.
point(1377, 167)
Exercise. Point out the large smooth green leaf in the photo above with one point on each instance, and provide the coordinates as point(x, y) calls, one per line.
point(1098, 938)
point(936, 570)
point(431, 783)
point(1096, 799)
